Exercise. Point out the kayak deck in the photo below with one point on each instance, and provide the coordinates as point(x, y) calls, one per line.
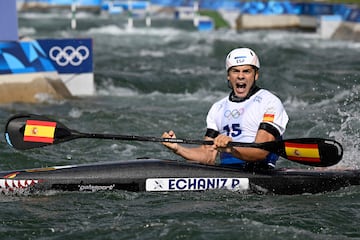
point(168, 175)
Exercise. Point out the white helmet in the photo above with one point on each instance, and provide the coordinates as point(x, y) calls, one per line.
point(241, 56)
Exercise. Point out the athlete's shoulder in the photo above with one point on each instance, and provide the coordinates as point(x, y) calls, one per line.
point(219, 105)
point(267, 94)
point(221, 101)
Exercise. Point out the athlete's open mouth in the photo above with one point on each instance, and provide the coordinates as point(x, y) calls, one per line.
point(240, 85)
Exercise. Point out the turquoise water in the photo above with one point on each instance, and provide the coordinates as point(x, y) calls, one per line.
point(149, 80)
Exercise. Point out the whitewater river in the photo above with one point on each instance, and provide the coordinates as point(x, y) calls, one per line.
point(149, 80)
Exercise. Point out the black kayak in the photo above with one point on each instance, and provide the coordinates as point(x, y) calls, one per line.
point(168, 175)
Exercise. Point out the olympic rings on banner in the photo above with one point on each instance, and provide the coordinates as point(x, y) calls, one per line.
point(69, 55)
point(235, 113)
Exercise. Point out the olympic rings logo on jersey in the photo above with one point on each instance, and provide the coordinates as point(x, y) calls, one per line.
point(69, 55)
point(235, 113)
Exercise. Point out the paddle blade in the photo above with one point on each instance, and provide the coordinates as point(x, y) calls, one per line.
point(28, 131)
point(313, 151)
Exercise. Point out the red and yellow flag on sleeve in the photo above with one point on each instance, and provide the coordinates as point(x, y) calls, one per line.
point(268, 117)
point(39, 131)
point(302, 152)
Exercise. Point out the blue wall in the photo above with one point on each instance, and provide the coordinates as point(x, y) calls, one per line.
point(272, 7)
point(254, 7)
point(65, 2)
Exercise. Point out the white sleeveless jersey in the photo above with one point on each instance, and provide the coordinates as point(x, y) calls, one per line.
point(241, 120)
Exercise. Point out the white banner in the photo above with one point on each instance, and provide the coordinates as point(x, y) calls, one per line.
point(196, 184)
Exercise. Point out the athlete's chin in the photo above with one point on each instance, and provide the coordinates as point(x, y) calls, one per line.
point(241, 94)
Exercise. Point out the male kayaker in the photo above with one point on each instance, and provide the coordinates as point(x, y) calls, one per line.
point(248, 114)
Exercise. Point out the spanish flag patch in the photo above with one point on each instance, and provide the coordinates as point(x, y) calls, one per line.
point(39, 131)
point(268, 117)
point(299, 152)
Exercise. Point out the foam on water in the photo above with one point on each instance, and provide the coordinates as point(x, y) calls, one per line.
point(116, 29)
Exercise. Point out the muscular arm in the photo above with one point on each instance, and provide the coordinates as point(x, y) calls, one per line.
point(244, 153)
point(207, 153)
point(204, 154)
